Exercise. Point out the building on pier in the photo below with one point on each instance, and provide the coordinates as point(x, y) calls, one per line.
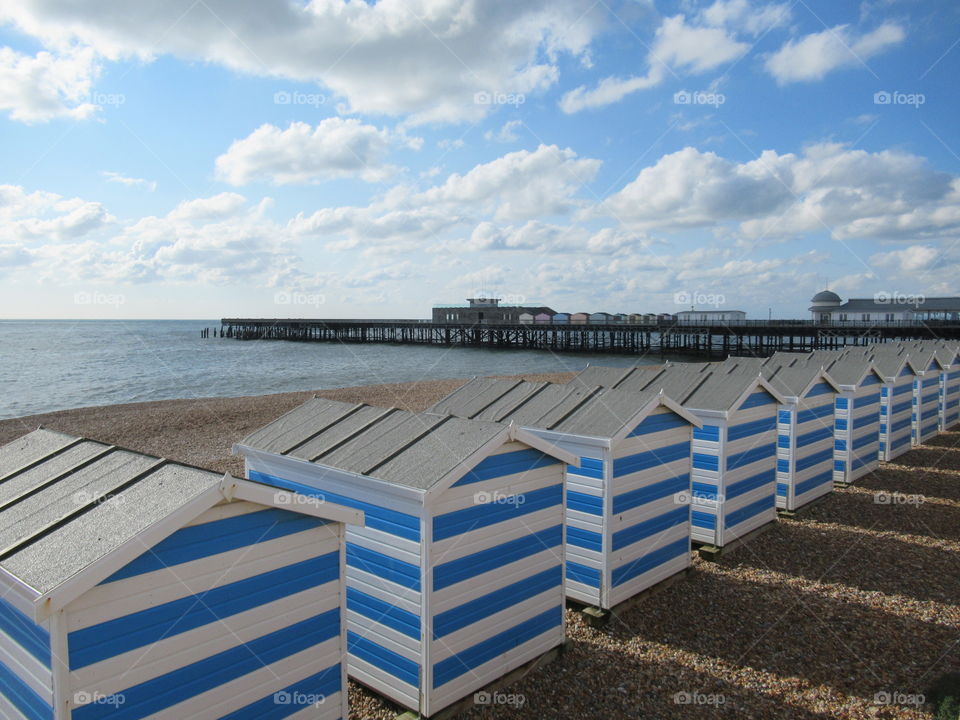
point(485, 311)
point(827, 308)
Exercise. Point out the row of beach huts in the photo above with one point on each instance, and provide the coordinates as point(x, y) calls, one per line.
point(426, 555)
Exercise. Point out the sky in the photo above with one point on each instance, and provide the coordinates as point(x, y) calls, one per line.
point(334, 158)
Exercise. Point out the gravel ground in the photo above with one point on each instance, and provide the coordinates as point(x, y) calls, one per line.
point(824, 616)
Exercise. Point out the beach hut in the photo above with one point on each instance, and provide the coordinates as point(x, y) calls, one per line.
point(804, 432)
point(579, 318)
point(856, 417)
point(600, 318)
point(621, 318)
point(561, 319)
point(733, 469)
point(135, 587)
point(896, 400)
point(542, 318)
point(950, 386)
point(627, 521)
point(525, 318)
point(926, 394)
point(457, 577)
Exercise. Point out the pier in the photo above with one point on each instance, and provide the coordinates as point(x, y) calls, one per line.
point(748, 337)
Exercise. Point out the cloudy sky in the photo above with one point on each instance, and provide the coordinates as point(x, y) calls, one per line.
point(332, 158)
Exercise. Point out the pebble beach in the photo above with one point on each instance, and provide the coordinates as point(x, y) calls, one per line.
point(850, 610)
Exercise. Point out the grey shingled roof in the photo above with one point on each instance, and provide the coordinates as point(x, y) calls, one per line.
point(794, 378)
point(66, 502)
point(567, 408)
point(930, 304)
point(404, 448)
point(847, 370)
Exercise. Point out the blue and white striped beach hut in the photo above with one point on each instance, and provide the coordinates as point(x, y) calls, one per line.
point(896, 399)
point(133, 587)
point(733, 468)
point(804, 432)
point(949, 386)
point(926, 394)
point(457, 577)
point(856, 416)
point(628, 526)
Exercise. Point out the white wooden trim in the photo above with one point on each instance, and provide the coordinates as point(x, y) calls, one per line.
point(18, 593)
point(60, 666)
point(538, 443)
point(73, 587)
point(233, 488)
point(552, 436)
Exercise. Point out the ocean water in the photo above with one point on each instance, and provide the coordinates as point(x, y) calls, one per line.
point(48, 365)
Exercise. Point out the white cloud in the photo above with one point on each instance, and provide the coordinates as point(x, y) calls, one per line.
point(745, 16)
point(116, 177)
point(506, 134)
point(678, 47)
point(814, 56)
point(44, 216)
point(425, 58)
point(849, 193)
point(45, 86)
point(335, 148)
point(915, 258)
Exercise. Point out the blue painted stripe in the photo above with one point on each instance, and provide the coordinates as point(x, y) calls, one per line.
point(402, 668)
point(584, 538)
point(383, 566)
point(782, 489)
point(783, 441)
point(931, 381)
point(589, 467)
point(191, 680)
point(648, 562)
point(582, 502)
point(104, 640)
point(508, 463)
point(812, 459)
point(809, 414)
point(900, 424)
point(649, 493)
point(784, 416)
point(884, 392)
point(929, 413)
point(868, 400)
point(900, 442)
point(764, 477)
point(840, 424)
point(705, 491)
point(387, 614)
point(748, 511)
point(813, 482)
point(757, 399)
point(821, 388)
point(871, 379)
point(902, 389)
point(659, 423)
point(754, 427)
point(840, 465)
point(583, 574)
point(842, 403)
point(503, 509)
point(454, 571)
point(651, 458)
point(860, 462)
point(501, 643)
point(219, 536)
point(25, 632)
point(323, 684)
point(814, 436)
point(709, 433)
point(906, 371)
point(931, 428)
point(901, 407)
point(783, 465)
point(493, 602)
point(840, 444)
point(864, 440)
point(702, 461)
point(703, 519)
point(22, 696)
point(377, 517)
point(751, 456)
point(642, 530)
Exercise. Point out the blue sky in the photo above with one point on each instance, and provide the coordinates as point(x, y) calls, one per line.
point(345, 159)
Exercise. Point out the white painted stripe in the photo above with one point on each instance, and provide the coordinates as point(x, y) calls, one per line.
point(225, 510)
point(383, 682)
point(33, 672)
point(454, 595)
point(359, 537)
point(368, 582)
point(458, 546)
point(382, 635)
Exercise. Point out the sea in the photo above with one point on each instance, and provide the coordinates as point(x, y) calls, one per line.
point(48, 365)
